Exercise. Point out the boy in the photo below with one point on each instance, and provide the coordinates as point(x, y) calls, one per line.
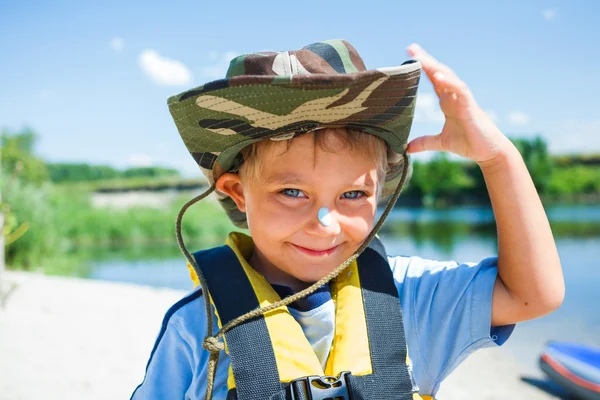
point(337, 141)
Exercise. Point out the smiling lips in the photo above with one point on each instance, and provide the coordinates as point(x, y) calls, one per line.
point(316, 253)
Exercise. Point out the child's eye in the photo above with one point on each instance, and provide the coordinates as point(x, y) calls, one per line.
point(293, 193)
point(354, 194)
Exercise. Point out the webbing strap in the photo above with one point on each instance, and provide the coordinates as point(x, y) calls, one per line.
point(390, 378)
point(250, 350)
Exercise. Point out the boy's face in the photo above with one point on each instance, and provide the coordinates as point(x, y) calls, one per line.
point(292, 247)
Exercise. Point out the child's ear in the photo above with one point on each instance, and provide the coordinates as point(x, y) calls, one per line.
point(231, 184)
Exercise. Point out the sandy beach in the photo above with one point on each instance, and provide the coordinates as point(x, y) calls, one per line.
point(68, 338)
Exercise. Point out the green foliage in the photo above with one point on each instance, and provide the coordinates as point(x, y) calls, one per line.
point(575, 180)
point(12, 229)
point(18, 157)
point(63, 172)
point(440, 179)
point(66, 172)
point(537, 159)
point(63, 221)
point(52, 221)
point(31, 204)
point(566, 160)
point(442, 182)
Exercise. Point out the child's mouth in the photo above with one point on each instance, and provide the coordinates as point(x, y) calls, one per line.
point(314, 252)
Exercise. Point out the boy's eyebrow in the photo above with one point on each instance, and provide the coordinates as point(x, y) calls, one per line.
point(369, 186)
point(292, 179)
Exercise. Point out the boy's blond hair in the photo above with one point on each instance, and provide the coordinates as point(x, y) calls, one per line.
point(352, 140)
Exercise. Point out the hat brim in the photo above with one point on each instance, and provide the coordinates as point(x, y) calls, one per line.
point(217, 120)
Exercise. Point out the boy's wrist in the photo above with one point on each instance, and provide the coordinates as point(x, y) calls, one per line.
point(507, 154)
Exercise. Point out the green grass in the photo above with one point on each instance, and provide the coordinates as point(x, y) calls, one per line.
point(64, 225)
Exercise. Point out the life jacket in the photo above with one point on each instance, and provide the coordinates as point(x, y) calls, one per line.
point(271, 357)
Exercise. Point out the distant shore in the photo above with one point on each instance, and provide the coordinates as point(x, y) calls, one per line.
point(68, 338)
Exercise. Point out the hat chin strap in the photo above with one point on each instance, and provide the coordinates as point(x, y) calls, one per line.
point(211, 342)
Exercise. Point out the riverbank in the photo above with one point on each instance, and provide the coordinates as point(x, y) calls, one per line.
point(69, 338)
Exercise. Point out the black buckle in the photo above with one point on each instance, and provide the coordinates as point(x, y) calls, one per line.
point(320, 388)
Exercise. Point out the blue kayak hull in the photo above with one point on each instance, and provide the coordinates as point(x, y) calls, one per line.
point(575, 367)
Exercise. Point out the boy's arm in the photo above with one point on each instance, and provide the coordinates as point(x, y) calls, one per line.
point(169, 370)
point(530, 282)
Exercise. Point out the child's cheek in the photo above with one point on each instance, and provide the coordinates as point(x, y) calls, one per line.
point(291, 213)
point(363, 208)
point(361, 226)
point(359, 219)
point(281, 221)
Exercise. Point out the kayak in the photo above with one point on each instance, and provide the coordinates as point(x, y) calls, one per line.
point(575, 367)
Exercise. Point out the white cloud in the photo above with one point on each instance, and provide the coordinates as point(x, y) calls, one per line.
point(428, 108)
point(575, 136)
point(117, 44)
point(550, 14)
point(163, 70)
point(139, 160)
point(518, 118)
point(219, 64)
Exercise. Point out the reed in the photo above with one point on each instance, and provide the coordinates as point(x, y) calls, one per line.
point(62, 223)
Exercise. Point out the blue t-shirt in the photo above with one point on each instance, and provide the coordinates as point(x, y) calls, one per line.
point(447, 315)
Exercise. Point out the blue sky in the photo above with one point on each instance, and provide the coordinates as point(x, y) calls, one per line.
point(92, 78)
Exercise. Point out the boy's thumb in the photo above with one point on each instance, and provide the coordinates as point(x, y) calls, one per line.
point(426, 143)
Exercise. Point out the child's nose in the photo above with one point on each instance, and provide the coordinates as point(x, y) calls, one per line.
point(324, 225)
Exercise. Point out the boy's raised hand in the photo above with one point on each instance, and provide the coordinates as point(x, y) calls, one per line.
point(467, 131)
point(530, 282)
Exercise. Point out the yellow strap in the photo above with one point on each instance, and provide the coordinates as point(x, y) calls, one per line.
point(350, 349)
point(294, 355)
point(193, 275)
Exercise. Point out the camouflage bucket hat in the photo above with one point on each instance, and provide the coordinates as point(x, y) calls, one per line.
point(276, 95)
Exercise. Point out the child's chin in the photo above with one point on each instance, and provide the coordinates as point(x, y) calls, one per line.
point(313, 276)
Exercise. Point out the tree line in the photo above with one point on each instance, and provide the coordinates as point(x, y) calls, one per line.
point(561, 178)
point(18, 156)
point(441, 181)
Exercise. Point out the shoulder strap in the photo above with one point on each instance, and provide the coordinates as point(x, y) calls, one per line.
point(250, 350)
point(386, 330)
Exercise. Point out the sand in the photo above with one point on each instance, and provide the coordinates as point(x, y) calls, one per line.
point(68, 338)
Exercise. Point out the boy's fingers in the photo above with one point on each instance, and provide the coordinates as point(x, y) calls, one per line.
point(426, 143)
point(445, 85)
point(430, 64)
